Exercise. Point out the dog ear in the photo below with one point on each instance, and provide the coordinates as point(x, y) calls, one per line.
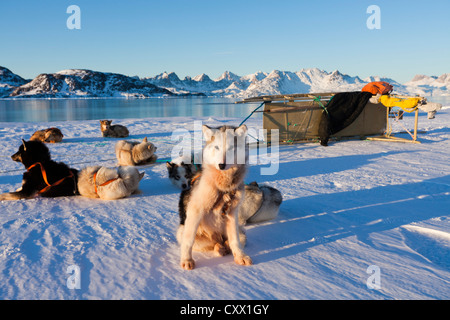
point(24, 145)
point(169, 165)
point(145, 139)
point(241, 130)
point(141, 175)
point(208, 133)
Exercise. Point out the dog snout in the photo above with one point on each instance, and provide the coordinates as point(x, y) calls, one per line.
point(222, 166)
point(184, 186)
point(16, 156)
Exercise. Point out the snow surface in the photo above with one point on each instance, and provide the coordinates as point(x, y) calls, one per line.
point(346, 207)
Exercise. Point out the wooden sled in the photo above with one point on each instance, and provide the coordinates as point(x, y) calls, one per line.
point(297, 117)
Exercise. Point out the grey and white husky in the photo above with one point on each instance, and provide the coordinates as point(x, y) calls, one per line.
point(209, 209)
point(260, 203)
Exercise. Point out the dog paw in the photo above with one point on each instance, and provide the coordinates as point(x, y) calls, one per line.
point(243, 260)
point(188, 264)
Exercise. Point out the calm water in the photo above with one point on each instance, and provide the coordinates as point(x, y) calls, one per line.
point(37, 110)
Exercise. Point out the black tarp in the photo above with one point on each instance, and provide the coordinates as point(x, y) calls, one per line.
point(340, 112)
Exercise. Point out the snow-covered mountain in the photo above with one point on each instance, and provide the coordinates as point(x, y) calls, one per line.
point(201, 83)
point(9, 81)
point(87, 83)
point(427, 85)
point(286, 82)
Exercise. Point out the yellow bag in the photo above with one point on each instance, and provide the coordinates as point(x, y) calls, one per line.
point(407, 104)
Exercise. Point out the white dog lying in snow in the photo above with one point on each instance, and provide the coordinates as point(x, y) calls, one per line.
point(108, 183)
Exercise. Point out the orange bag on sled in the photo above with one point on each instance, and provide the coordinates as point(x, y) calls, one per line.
point(376, 87)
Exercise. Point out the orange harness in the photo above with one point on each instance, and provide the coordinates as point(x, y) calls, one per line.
point(103, 184)
point(195, 178)
point(44, 175)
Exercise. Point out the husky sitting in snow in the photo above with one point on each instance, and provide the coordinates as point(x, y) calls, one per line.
point(260, 203)
point(209, 209)
point(135, 153)
point(115, 131)
point(108, 183)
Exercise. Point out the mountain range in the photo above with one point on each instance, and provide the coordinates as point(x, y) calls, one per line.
point(9, 81)
point(88, 83)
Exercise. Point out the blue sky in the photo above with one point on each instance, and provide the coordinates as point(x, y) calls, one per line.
point(145, 38)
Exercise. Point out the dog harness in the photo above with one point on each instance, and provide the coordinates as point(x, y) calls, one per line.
point(227, 203)
point(44, 176)
point(103, 184)
point(195, 178)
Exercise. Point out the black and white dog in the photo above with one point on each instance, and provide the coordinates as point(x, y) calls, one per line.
point(44, 176)
point(181, 172)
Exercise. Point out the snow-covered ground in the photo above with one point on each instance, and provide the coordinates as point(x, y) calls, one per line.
point(346, 207)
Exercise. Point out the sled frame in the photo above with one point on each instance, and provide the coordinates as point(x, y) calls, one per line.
point(388, 136)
